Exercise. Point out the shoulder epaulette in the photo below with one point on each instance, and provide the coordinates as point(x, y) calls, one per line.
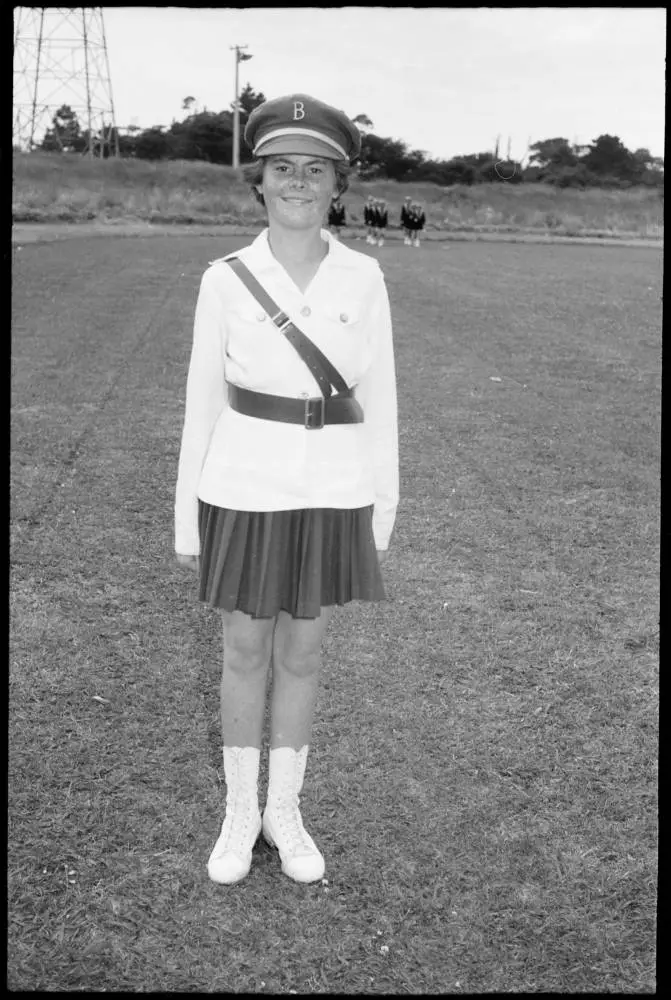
point(222, 260)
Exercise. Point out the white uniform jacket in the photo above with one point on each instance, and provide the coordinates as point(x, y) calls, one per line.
point(245, 463)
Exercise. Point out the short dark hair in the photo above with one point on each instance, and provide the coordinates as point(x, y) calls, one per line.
point(253, 174)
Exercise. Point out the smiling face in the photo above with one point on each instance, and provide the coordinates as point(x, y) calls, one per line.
point(297, 189)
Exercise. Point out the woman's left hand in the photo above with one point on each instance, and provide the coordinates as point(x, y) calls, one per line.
point(381, 555)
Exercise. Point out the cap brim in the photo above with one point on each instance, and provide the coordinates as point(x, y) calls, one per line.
point(303, 145)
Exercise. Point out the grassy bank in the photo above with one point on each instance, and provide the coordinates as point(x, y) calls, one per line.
point(51, 188)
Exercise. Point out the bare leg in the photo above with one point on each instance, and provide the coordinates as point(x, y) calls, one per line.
point(296, 669)
point(247, 649)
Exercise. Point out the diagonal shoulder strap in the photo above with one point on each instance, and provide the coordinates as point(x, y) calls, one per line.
point(324, 372)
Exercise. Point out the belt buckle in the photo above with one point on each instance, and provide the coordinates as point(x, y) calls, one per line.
point(314, 421)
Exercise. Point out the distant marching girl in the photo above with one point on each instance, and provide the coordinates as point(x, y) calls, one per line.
point(380, 221)
point(405, 225)
point(368, 218)
point(336, 217)
point(417, 220)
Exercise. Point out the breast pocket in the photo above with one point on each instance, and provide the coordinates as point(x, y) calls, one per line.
point(344, 338)
point(253, 318)
point(253, 352)
point(343, 317)
point(252, 332)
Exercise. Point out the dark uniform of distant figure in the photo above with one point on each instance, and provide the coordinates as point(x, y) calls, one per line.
point(336, 217)
point(380, 221)
point(405, 226)
point(368, 218)
point(416, 219)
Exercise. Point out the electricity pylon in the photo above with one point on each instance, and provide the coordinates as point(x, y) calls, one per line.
point(60, 58)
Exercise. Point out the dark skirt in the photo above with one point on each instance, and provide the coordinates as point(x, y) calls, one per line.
point(297, 561)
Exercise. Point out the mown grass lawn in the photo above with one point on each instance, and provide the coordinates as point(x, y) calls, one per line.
point(483, 773)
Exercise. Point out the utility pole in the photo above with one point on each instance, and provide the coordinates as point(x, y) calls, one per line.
point(240, 56)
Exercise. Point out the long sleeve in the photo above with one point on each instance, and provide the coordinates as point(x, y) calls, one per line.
point(206, 399)
point(377, 394)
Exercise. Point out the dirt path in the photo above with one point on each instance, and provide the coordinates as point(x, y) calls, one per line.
point(39, 232)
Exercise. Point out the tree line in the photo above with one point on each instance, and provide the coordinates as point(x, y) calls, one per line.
point(208, 135)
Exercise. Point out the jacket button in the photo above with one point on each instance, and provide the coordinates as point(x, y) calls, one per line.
point(343, 317)
point(305, 311)
point(260, 317)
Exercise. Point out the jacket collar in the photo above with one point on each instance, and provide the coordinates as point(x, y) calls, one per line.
point(260, 255)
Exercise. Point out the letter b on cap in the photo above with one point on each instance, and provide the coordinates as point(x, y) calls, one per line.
point(299, 110)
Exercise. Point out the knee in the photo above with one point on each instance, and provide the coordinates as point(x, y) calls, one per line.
point(244, 654)
point(301, 663)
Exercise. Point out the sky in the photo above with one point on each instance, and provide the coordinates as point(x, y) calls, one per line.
point(447, 81)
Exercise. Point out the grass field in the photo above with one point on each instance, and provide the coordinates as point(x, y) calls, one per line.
point(51, 187)
point(483, 774)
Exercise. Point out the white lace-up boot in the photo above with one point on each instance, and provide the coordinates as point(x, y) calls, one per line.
point(231, 856)
point(282, 824)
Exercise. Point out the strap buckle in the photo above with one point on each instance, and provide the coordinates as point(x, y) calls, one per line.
point(281, 320)
point(314, 413)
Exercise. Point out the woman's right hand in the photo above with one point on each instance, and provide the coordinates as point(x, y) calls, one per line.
point(191, 562)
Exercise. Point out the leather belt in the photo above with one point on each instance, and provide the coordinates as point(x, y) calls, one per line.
point(312, 412)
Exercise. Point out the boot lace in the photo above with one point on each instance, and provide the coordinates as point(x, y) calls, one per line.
point(295, 839)
point(235, 834)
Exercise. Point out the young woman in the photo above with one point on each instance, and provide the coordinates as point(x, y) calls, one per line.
point(287, 490)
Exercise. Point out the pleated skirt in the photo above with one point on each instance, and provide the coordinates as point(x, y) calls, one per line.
point(298, 561)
